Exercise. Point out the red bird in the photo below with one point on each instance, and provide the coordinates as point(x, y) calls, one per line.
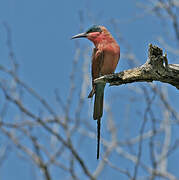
point(105, 58)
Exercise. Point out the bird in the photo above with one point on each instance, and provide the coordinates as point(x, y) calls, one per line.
point(105, 57)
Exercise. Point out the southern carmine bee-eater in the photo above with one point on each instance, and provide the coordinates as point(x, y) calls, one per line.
point(105, 58)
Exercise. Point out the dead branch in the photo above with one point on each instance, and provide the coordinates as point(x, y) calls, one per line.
point(156, 68)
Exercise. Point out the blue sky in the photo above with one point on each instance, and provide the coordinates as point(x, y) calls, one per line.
point(41, 35)
point(41, 32)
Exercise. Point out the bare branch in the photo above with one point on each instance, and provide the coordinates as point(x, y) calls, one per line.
point(153, 70)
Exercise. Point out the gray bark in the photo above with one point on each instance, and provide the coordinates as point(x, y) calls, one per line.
point(156, 68)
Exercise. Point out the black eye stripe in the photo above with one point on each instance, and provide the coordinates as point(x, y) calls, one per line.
point(94, 29)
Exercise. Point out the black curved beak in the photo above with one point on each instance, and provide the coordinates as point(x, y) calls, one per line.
point(81, 35)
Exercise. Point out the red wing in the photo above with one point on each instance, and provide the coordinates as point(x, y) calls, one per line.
point(97, 63)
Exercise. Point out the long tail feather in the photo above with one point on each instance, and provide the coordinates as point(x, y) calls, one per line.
point(98, 111)
point(98, 102)
point(98, 136)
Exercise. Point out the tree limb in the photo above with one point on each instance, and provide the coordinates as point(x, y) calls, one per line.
point(156, 68)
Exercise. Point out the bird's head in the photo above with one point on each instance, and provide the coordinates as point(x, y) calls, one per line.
point(96, 34)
